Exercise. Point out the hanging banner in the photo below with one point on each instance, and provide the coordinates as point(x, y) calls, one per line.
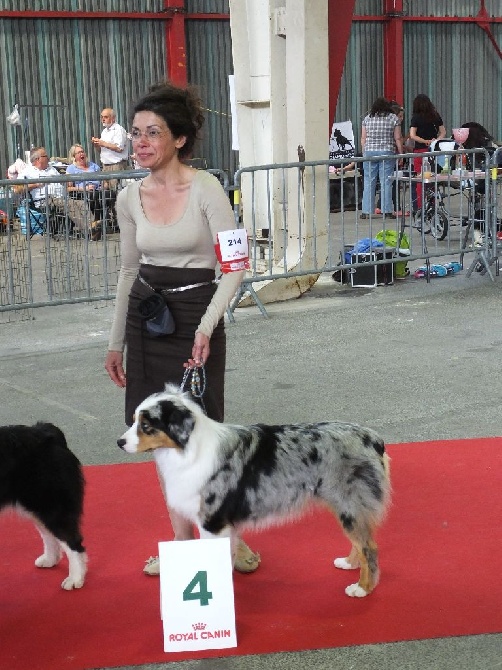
point(341, 142)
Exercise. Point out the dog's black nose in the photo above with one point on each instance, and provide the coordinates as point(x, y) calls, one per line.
point(121, 443)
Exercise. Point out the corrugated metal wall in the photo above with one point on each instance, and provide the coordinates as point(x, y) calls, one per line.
point(209, 62)
point(209, 6)
point(82, 65)
point(362, 79)
point(430, 7)
point(63, 72)
point(455, 64)
point(84, 5)
point(450, 7)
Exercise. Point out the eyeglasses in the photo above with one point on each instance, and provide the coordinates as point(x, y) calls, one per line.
point(41, 156)
point(151, 134)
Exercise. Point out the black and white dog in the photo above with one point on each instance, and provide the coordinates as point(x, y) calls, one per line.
point(223, 477)
point(42, 478)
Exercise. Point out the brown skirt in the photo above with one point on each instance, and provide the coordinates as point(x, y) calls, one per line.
point(153, 361)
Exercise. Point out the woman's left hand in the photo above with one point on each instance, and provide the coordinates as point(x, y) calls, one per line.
point(200, 351)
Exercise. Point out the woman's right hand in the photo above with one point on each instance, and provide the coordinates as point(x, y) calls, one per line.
point(114, 367)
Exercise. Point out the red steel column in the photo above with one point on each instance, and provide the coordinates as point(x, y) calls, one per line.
point(339, 24)
point(175, 42)
point(393, 51)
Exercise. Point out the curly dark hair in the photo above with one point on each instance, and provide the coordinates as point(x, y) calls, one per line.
point(181, 109)
point(422, 105)
point(381, 107)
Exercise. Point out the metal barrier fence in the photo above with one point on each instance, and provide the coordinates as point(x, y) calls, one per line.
point(65, 251)
point(302, 219)
point(307, 218)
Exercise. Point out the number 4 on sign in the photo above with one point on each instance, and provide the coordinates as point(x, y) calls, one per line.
point(202, 594)
point(197, 595)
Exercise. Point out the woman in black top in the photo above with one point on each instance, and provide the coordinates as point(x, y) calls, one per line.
point(426, 125)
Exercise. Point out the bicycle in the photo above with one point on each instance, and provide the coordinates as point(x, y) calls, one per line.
point(432, 217)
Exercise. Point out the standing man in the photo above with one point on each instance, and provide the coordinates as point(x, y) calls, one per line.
point(113, 143)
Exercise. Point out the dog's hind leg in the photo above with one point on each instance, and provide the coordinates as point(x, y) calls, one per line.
point(77, 561)
point(52, 550)
point(365, 553)
point(64, 534)
point(368, 577)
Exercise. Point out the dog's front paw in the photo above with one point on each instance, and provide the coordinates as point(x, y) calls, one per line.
point(355, 591)
point(345, 564)
point(70, 583)
point(47, 560)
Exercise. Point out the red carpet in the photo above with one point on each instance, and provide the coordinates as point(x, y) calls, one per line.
point(440, 562)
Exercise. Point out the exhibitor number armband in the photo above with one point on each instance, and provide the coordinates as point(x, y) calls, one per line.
point(232, 250)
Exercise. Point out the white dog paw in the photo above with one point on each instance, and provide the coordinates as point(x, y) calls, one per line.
point(355, 591)
point(344, 564)
point(46, 561)
point(70, 583)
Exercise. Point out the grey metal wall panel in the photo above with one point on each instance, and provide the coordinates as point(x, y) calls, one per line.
point(207, 6)
point(368, 7)
point(457, 67)
point(84, 5)
point(362, 80)
point(460, 8)
point(79, 66)
point(429, 7)
point(209, 60)
point(454, 63)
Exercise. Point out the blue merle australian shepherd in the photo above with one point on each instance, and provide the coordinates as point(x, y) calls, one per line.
point(225, 477)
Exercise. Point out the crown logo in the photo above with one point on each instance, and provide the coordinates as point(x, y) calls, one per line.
point(199, 626)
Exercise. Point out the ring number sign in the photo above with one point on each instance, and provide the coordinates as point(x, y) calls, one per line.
point(197, 595)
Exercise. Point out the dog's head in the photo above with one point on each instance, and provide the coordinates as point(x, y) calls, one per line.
point(163, 420)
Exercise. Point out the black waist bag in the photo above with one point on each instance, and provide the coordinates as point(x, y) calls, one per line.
point(157, 316)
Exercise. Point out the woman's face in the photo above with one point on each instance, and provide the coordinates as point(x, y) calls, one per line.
point(79, 154)
point(153, 143)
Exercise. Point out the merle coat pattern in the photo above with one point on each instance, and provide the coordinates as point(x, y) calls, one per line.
point(224, 477)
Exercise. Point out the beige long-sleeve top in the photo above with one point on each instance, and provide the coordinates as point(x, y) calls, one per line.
point(186, 243)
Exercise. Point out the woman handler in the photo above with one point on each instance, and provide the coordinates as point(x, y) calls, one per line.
point(168, 226)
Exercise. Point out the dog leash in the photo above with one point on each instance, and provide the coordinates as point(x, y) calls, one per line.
point(197, 383)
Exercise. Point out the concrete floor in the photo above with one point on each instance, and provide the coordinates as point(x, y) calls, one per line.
point(414, 361)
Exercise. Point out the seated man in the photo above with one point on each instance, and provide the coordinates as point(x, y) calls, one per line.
point(44, 196)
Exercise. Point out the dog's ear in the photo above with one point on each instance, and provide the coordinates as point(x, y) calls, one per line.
point(178, 421)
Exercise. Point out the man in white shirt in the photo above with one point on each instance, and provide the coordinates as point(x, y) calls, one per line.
point(113, 143)
point(50, 197)
point(39, 167)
